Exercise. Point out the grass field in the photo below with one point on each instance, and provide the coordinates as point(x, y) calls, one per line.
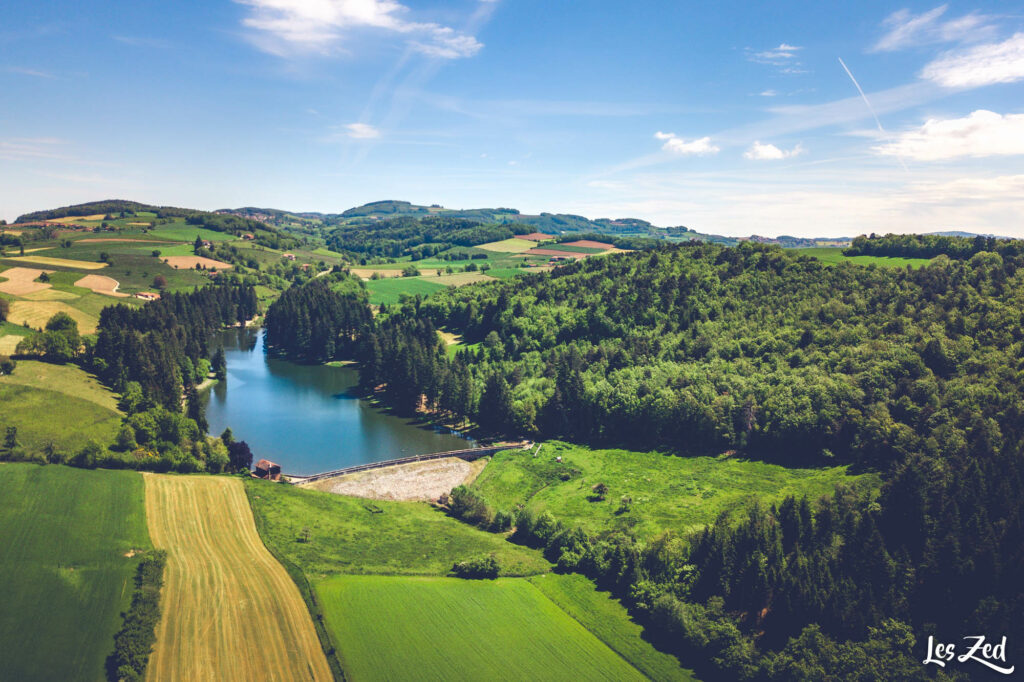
point(459, 279)
point(512, 245)
point(348, 535)
point(834, 256)
point(33, 411)
point(390, 290)
point(392, 628)
point(230, 611)
point(608, 620)
point(67, 379)
point(669, 492)
point(187, 233)
point(64, 534)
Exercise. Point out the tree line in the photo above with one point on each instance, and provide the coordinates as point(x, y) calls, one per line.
point(932, 245)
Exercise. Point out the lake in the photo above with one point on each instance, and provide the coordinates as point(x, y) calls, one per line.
point(307, 418)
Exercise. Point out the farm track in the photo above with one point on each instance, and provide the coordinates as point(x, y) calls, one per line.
point(230, 611)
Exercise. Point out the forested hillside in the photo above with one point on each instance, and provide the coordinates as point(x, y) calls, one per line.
point(419, 238)
point(704, 349)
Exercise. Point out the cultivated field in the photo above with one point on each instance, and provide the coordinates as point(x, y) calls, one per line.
point(608, 620)
point(179, 262)
point(668, 492)
point(37, 313)
point(230, 611)
point(65, 535)
point(390, 628)
point(512, 245)
point(21, 281)
point(59, 262)
point(101, 285)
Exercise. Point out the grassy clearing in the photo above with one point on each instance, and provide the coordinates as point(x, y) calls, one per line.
point(681, 494)
point(834, 256)
point(574, 249)
point(512, 245)
point(188, 233)
point(352, 535)
point(505, 273)
point(608, 620)
point(390, 290)
point(462, 278)
point(65, 533)
point(67, 379)
point(446, 628)
point(230, 611)
point(34, 412)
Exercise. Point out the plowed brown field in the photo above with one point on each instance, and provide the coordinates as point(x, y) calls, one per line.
point(229, 609)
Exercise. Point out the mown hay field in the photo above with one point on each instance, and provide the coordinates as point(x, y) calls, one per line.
point(230, 610)
point(37, 313)
point(511, 245)
point(416, 628)
point(65, 534)
point(59, 262)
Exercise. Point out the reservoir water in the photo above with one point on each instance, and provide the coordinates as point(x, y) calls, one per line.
point(307, 418)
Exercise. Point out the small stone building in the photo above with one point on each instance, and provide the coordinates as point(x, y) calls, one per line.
point(268, 470)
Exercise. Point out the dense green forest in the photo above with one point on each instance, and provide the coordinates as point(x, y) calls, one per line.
point(932, 245)
point(699, 348)
point(418, 238)
point(332, 332)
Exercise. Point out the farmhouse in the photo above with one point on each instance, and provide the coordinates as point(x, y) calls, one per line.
point(147, 296)
point(248, 235)
point(288, 256)
point(268, 470)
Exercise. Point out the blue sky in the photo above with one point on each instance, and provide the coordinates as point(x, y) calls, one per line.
point(727, 117)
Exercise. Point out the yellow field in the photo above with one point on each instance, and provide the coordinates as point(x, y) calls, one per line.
point(61, 262)
point(459, 278)
point(8, 343)
point(512, 245)
point(36, 314)
point(50, 295)
point(77, 218)
point(230, 611)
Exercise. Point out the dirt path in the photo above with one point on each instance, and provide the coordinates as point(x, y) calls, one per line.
point(230, 611)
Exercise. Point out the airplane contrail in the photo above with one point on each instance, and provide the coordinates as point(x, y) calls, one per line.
point(871, 109)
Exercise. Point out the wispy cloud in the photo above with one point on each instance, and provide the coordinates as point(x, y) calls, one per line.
point(23, 71)
point(361, 131)
point(27, 148)
point(981, 65)
point(777, 56)
point(769, 152)
point(906, 29)
point(286, 27)
point(983, 133)
point(677, 145)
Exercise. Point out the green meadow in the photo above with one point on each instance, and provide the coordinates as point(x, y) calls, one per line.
point(667, 492)
point(353, 535)
point(834, 255)
point(65, 534)
point(390, 290)
point(390, 628)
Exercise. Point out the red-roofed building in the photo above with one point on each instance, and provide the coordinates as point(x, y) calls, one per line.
point(268, 470)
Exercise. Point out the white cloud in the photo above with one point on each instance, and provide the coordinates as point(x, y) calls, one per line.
point(769, 152)
point(910, 30)
point(768, 93)
point(35, 73)
point(320, 26)
point(982, 65)
point(362, 131)
point(677, 145)
point(777, 55)
point(983, 133)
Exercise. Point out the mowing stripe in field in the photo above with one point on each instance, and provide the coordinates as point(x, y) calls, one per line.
point(230, 611)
